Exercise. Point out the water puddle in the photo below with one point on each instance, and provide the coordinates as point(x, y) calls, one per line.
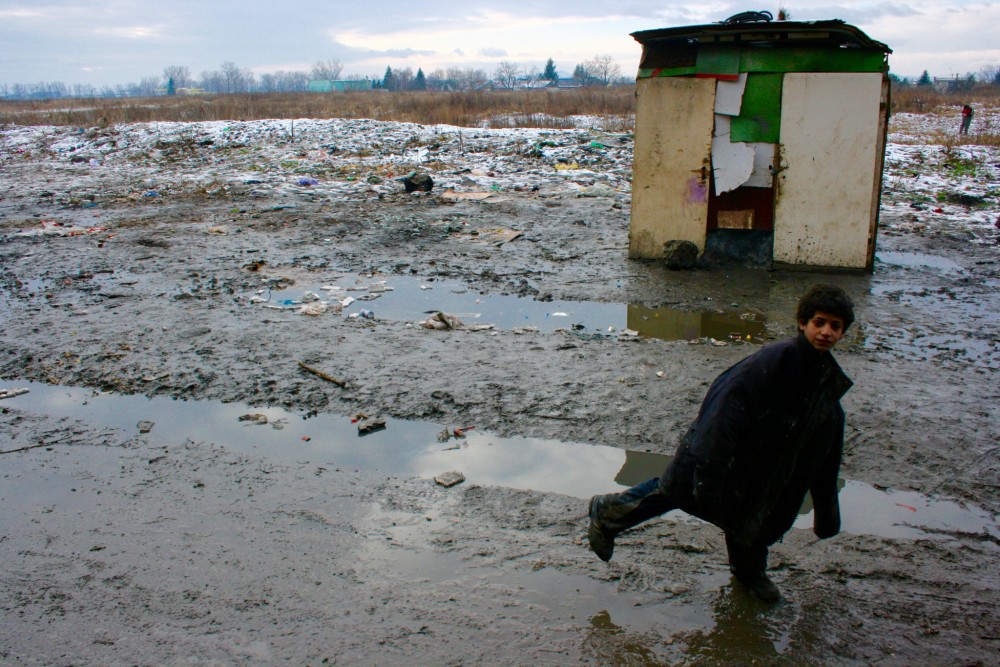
point(403, 298)
point(425, 449)
point(917, 260)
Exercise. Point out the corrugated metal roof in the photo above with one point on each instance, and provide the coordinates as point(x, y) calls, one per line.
point(833, 33)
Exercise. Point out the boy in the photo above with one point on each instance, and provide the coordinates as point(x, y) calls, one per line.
point(770, 429)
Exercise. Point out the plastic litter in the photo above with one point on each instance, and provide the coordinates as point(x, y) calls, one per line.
point(10, 393)
point(370, 425)
point(145, 426)
point(441, 321)
point(254, 417)
point(306, 182)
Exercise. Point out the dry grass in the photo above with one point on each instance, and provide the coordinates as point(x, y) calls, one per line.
point(921, 99)
point(536, 108)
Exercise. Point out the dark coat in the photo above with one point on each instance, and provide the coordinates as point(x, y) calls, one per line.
point(770, 429)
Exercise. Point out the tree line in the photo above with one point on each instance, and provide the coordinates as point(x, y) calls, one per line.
point(230, 78)
point(988, 75)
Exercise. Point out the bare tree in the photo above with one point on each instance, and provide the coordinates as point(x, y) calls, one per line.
point(506, 74)
point(181, 75)
point(603, 68)
point(402, 78)
point(235, 79)
point(149, 86)
point(328, 70)
point(467, 78)
point(990, 74)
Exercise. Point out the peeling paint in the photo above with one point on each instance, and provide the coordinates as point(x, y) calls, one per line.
point(697, 191)
point(732, 163)
point(729, 95)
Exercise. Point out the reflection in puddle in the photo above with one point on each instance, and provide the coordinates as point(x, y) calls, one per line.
point(917, 260)
point(412, 448)
point(669, 324)
point(744, 632)
point(408, 299)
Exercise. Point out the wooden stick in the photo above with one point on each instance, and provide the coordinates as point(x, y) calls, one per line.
point(329, 378)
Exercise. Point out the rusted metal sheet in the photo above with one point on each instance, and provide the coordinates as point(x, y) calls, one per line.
point(672, 163)
point(830, 138)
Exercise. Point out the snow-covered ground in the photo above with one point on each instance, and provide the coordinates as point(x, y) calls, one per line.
point(928, 174)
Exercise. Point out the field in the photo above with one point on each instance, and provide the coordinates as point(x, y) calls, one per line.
point(212, 313)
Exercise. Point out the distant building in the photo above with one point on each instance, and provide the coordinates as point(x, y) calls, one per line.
point(953, 85)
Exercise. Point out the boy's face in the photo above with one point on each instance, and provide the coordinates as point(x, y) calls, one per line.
point(823, 330)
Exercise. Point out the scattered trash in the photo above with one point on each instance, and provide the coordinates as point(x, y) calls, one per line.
point(310, 296)
point(254, 417)
point(567, 166)
point(306, 438)
point(145, 426)
point(151, 193)
point(370, 425)
point(449, 479)
point(10, 393)
point(497, 236)
point(56, 228)
point(458, 196)
point(907, 507)
point(457, 433)
point(306, 182)
point(222, 230)
point(314, 309)
point(364, 313)
point(441, 321)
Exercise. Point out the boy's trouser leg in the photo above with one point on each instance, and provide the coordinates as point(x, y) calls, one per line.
point(616, 512)
point(748, 564)
point(744, 558)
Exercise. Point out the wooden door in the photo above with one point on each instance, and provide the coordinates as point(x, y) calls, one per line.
point(672, 163)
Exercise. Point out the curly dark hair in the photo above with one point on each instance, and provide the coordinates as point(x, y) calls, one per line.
point(828, 299)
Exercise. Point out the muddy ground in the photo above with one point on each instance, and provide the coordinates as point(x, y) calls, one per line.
point(119, 548)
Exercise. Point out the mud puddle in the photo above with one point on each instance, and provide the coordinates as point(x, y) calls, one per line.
point(424, 449)
point(409, 299)
point(918, 260)
point(622, 617)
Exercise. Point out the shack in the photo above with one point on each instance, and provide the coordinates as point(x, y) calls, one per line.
point(760, 141)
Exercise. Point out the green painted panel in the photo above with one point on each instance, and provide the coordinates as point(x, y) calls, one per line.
point(806, 59)
point(718, 59)
point(760, 112)
point(649, 72)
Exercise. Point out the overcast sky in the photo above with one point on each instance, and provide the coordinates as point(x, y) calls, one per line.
point(107, 42)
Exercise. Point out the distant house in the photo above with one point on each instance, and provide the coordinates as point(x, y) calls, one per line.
point(327, 86)
point(953, 85)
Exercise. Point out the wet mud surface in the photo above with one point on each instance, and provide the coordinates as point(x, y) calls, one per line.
point(123, 274)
